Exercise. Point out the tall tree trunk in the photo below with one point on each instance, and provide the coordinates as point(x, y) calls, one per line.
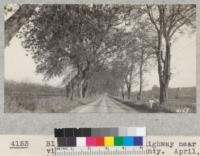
point(81, 92)
point(129, 91)
point(160, 69)
point(72, 90)
point(163, 93)
point(67, 90)
point(83, 84)
point(166, 73)
point(122, 92)
point(81, 89)
point(140, 95)
point(85, 88)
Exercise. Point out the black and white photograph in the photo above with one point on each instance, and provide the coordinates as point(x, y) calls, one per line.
point(100, 58)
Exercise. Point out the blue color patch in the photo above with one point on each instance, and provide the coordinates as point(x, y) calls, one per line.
point(128, 141)
point(138, 141)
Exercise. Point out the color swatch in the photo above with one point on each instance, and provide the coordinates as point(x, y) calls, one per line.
point(109, 141)
point(85, 132)
point(93, 137)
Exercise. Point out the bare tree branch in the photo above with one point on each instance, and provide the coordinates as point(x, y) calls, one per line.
point(151, 17)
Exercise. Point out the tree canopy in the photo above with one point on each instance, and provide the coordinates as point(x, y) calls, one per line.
point(107, 46)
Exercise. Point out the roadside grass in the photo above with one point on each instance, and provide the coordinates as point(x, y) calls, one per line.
point(183, 105)
point(42, 104)
point(24, 97)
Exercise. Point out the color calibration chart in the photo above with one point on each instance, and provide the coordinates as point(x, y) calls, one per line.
point(99, 141)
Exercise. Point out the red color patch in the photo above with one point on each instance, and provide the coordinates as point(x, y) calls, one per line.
point(99, 141)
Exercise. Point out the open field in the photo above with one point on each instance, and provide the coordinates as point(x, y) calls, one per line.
point(41, 104)
point(42, 99)
point(174, 105)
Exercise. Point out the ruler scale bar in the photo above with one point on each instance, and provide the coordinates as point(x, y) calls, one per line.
point(98, 152)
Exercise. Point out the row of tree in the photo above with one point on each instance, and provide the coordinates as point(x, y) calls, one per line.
point(107, 47)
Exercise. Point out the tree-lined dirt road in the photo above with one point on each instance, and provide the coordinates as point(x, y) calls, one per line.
point(104, 104)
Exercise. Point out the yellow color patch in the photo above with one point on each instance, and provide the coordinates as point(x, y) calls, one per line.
point(109, 141)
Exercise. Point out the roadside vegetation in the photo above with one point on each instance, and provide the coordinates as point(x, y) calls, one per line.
point(181, 100)
point(24, 97)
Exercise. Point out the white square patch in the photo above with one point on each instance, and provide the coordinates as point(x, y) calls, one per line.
point(81, 141)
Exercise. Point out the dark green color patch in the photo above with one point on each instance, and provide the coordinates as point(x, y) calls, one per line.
point(118, 141)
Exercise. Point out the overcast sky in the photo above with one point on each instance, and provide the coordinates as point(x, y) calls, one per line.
point(20, 67)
